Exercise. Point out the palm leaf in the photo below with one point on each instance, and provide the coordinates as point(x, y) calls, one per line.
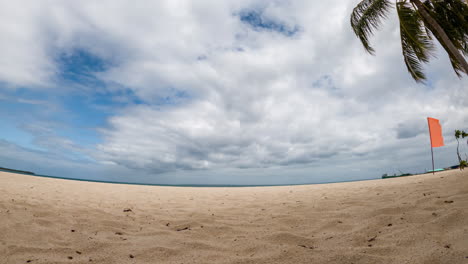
point(416, 45)
point(457, 67)
point(452, 16)
point(366, 17)
point(464, 134)
point(463, 164)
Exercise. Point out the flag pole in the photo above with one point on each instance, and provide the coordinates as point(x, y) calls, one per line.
point(432, 151)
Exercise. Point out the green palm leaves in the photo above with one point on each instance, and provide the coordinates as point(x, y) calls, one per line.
point(366, 17)
point(446, 20)
point(452, 15)
point(463, 164)
point(461, 134)
point(415, 42)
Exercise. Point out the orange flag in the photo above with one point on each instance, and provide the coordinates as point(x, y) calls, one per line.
point(435, 132)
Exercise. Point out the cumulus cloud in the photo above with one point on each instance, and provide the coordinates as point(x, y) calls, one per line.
point(243, 85)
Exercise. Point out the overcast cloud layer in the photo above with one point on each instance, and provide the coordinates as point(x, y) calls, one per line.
point(240, 92)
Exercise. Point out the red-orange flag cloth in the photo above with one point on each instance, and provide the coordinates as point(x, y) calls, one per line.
point(435, 132)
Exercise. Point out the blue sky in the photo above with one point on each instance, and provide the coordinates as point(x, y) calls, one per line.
point(238, 92)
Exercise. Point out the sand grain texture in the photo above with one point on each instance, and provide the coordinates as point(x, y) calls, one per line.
point(418, 219)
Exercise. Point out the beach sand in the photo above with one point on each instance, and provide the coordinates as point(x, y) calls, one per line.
point(418, 219)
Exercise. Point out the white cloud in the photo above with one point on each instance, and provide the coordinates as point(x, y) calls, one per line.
point(252, 98)
point(23, 59)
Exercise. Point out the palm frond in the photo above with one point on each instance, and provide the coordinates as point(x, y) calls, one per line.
point(457, 67)
point(416, 45)
point(463, 164)
point(464, 134)
point(452, 16)
point(366, 17)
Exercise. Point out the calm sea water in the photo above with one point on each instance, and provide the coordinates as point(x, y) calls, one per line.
point(181, 185)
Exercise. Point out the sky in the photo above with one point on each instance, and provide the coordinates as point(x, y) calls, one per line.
point(215, 92)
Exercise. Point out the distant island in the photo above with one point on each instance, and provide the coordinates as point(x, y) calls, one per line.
point(16, 171)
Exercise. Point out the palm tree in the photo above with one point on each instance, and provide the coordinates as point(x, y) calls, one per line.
point(458, 133)
point(463, 164)
point(463, 135)
point(420, 22)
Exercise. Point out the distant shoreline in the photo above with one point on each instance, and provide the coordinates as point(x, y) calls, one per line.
point(16, 171)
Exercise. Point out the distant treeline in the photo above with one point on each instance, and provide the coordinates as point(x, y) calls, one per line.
point(16, 171)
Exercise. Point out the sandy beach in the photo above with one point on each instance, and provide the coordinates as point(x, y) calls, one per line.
point(418, 219)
